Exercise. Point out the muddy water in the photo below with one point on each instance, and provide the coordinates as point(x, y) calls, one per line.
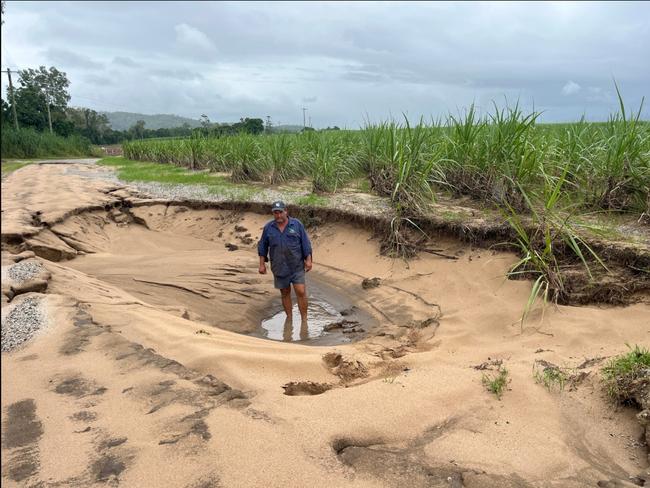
point(320, 314)
point(333, 317)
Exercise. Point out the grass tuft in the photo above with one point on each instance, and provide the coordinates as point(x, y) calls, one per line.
point(496, 382)
point(312, 200)
point(627, 377)
point(549, 375)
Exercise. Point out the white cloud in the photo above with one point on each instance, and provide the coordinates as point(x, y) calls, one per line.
point(125, 61)
point(571, 88)
point(191, 37)
point(66, 59)
point(233, 59)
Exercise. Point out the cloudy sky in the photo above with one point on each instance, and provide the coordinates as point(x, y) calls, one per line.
point(344, 61)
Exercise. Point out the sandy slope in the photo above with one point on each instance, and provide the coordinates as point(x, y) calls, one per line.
point(142, 378)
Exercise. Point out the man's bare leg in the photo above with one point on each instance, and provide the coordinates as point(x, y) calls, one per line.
point(286, 301)
point(288, 330)
point(304, 330)
point(301, 293)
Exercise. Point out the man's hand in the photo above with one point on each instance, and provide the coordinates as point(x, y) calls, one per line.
point(308, 264)
point(262, 268)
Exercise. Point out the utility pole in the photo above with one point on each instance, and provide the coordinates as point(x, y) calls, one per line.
point(304, 123)
point(49, 115)
point(268, 124)
point(13, 100)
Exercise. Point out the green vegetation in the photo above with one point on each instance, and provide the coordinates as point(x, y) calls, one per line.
point(624, 375)
point(490, 158)
point(549, 375)
point(312, 200)
point(41, 103)
point(240, 193)
point(329, 171)
point(452, 216)
point(279, 159)
point(142, 171)
point(505, 159)
point(551, 228)
point(496, 382)
point(29, 143)
point(363, 185)
point(10, 167)
point(129, 170)
point(41, 99)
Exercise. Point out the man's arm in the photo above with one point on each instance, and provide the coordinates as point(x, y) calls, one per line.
point(306, 248)
point(263, 250)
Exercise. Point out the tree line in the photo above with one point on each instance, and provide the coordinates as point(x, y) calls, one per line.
point(41, 99)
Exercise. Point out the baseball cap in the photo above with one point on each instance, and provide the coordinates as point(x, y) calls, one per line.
point(279, 205)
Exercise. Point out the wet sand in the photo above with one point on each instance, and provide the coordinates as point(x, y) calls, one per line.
point(154, 370)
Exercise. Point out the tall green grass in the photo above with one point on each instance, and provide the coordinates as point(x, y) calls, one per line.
point(279, 158)
point(331, 162)
point(489, 158)
point(245, 158)
point(545, 239)
point(496, 159)
point(620, 177)
point(29, 143)
point(400, 161)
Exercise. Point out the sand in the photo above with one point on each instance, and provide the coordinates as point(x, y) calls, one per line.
point(153, 370)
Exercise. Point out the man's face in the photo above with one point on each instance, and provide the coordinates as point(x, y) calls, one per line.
point(280, 216)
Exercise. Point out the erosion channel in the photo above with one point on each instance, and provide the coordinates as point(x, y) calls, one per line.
point(155, 368)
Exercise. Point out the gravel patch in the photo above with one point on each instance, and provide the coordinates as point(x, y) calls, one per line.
point(22, 322)
point(201, 192)
point(353, 202)
point(357, 203)
point(88, 161)
point(93, 173)
point(25, 270)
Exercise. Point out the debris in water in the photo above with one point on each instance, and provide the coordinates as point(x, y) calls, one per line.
point(370, 283)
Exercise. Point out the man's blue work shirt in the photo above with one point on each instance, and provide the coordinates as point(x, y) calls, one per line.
point(288, 249)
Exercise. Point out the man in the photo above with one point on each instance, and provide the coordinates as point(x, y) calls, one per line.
point(290, 251)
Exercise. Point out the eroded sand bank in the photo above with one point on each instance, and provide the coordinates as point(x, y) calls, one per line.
point(152, 371)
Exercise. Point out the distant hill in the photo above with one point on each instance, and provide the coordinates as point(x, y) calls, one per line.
point(125, 120)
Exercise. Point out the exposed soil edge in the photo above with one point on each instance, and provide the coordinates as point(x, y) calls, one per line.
point(625, 262)
point(17, 238)
point(483, 235)
point(628, 259)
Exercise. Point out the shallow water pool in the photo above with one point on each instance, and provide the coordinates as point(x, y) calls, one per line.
point(320, 314)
